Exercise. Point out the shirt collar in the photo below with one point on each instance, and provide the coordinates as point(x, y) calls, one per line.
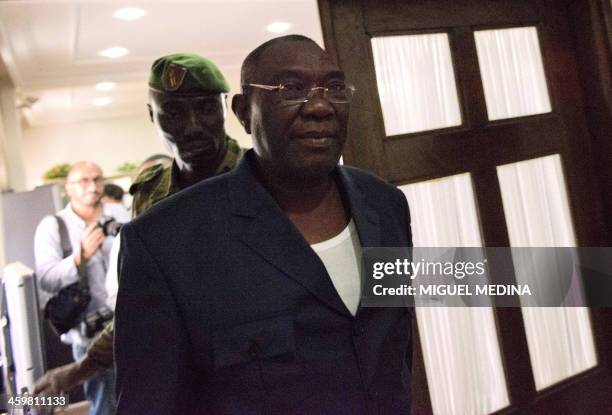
point(233, 153)
point(169, 182)
point(72, 215)
point(106, 211)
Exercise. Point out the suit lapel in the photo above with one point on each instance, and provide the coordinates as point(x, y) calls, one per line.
point(365, 217)
point(367, 220)
point(275, 239)
point(265, 229)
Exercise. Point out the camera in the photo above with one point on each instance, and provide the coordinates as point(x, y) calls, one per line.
point(95, 321)
point(110, 227)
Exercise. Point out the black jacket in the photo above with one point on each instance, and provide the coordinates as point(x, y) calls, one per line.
point(223, 308)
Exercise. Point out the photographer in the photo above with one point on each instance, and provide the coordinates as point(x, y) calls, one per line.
point(89, 230)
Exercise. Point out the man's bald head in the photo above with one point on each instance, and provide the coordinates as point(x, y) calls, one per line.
point(80, 166)
point(85, 183)
point(297, 141)
point(251, 62)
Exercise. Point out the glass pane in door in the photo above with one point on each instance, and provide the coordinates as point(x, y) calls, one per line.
point(460, 346)
point(537, 214)
point(416, 83)
point(512, 72)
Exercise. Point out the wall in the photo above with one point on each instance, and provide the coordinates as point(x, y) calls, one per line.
point(108, 142)
point(11, 138)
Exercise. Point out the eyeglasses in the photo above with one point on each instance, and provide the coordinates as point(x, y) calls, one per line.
point(84, 182)
point(336, 93)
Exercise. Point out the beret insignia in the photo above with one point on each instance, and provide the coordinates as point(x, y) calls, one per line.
point(173, 76)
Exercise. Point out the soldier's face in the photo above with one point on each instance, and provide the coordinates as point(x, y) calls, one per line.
point(303, 140)
point(191, 126)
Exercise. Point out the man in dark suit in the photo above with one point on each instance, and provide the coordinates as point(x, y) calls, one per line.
point(240, 295)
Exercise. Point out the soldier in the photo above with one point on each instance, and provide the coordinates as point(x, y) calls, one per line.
point(187, 104)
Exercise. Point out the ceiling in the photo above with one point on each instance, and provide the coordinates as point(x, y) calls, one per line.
point(51, 47)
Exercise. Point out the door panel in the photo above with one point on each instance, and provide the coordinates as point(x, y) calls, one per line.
point(478, 145)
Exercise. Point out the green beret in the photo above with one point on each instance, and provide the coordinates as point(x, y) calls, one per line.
point(186, 72)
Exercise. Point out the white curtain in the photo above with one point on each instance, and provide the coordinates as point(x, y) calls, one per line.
point(462, 357)
point(512, 72)
point(416, 83)
point(537, 214)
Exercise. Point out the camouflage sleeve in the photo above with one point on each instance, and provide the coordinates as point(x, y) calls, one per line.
point(100, 351)
point(151, 185)
point(138, 204)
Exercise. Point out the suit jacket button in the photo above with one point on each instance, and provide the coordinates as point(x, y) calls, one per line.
point(254, 350)
point(372, 394)
point(358, 329)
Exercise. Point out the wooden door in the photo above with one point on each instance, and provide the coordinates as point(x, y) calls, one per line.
point(478, 144)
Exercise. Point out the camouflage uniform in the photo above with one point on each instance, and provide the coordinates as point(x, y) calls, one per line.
point(158, 182)
point(178, 73)
point(151, 186)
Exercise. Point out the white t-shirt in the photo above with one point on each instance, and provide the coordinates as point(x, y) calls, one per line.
point(341, 256)
point(112, 279)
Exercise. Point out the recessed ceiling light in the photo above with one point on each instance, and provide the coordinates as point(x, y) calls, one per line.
point(114, 52)
point(278, 27)
point(102, 101)
point(105, 86)
point(129, 13)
